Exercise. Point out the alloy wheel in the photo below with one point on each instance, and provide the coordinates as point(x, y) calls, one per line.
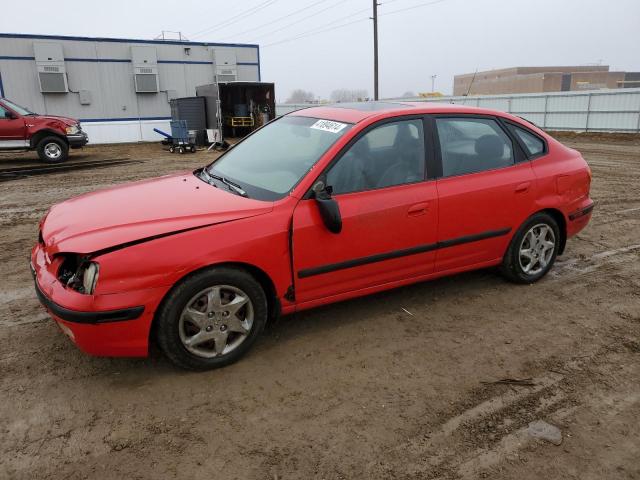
point(216, 321)
point(537, 249)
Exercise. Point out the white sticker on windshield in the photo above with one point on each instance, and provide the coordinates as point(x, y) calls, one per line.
point(328, 126)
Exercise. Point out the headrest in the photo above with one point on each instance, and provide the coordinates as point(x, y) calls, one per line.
point(489, 146)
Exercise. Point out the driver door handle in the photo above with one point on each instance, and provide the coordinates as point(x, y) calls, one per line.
point(418, 209)
point(523, 187)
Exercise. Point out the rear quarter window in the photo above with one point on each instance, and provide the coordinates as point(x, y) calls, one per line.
point(533, 144)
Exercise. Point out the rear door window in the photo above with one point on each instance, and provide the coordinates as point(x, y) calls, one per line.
point(470, 145)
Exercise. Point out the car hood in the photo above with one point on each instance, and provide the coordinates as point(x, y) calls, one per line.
point(141, 210)
point(66, 120)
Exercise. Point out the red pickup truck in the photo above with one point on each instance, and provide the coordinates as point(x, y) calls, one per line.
point(50, 136)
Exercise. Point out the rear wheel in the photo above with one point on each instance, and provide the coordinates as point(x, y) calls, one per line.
point(212, 318)
point(532, 250)
point(172, 149)
point(52, 150)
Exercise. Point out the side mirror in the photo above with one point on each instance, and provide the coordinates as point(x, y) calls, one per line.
point(329, 208)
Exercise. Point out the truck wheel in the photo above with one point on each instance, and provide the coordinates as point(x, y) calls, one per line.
point(193, 149)
point(172, 149)
point(211, 318)
point(52, 150)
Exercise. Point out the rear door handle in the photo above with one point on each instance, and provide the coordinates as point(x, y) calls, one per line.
point(523, 187)
point(418, 209)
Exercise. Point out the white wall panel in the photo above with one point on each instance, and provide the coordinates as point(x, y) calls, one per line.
point(613, 121)
point(125, 132)
point(527, 104)
point(621, 102)
point(569, 103)
point(535, 118)
point(566, 121)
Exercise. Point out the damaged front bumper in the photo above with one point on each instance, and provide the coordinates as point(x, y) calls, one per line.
point(114, 325)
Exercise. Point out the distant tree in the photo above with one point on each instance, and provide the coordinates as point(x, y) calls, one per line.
point(346, 95)
point(408, 94)
point(301, 96)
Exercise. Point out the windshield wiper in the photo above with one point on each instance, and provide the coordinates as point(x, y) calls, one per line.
point(232, 186)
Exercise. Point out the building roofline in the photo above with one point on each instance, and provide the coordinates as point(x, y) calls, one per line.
point(125, 40)
point(539, 69)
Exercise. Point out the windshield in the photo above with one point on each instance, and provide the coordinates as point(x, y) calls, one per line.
point(17, 108)
point(270, 162)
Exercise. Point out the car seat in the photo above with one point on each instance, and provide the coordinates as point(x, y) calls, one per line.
point(489, 152)
point(349, 174)
point(408, 166)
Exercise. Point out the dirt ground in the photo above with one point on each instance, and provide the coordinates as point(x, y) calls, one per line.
point(388, 386)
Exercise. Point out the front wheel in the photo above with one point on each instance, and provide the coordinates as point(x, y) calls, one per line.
point(212, 318)
point(52, 150)
point(533, 250)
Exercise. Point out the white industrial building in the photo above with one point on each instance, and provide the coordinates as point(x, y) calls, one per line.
point(118, 88)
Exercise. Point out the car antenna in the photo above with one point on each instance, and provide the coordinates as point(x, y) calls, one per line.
point(471, 84)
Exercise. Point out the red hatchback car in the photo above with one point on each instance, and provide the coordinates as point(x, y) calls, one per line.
point(318, 206)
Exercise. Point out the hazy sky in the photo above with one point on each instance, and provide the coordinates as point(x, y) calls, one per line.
point(444, 38)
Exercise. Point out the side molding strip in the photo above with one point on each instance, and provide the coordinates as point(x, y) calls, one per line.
point(380, 257)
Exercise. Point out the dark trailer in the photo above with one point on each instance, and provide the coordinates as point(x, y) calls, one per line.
point(238, 108)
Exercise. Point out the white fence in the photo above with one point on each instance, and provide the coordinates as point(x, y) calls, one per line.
point(594, 111)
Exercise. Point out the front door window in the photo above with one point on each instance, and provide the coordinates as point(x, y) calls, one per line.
point(391, 154)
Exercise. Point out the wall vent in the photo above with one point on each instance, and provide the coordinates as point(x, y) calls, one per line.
point(52, 74)
point(146, 83)
point(226, 64)
point(145, 68)
point(225, 78)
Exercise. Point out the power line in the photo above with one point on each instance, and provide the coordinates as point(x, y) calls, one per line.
point(275, 21)
point(323, 29)
point(324, 26)
point(412, 7)
point(235, 18)
point(321, 26)
point(304, 35)
point(300, 20)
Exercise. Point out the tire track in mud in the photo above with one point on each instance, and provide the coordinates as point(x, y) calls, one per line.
point(479, 435)
point(581, 266)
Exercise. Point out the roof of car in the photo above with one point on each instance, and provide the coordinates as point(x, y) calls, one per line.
point(356, 112)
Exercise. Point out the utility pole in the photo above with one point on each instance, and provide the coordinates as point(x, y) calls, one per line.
point(375, 49)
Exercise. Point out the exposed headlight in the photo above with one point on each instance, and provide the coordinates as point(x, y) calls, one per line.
point(73, 129)
point(90, 277)
point(79, 274)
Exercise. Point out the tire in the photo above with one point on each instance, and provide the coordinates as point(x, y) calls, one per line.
point(194, 338)
point(534, 237)
point(52, 150)
point(193, 149)
point(172, 149)
point(180, 150)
